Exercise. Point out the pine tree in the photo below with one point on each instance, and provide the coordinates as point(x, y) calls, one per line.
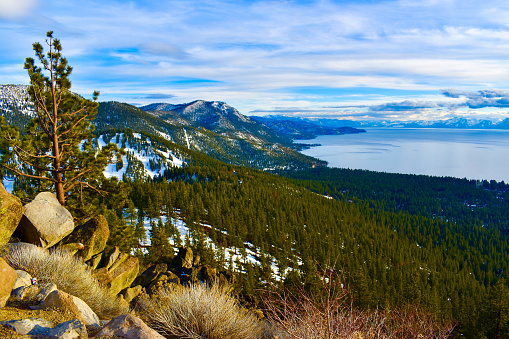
point(57, 149)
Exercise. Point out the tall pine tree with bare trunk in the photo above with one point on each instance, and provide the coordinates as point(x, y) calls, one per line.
point(57, 151)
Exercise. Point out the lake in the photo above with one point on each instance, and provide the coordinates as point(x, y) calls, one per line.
point(461, 153)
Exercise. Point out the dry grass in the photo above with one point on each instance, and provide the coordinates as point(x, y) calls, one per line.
point(304, 315)
point(68, 273)
point(198, 312)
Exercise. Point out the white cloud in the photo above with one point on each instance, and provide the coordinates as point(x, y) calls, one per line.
point(13, 9)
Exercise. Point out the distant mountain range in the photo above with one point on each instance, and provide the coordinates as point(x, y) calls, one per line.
point(209, 127)
point(339, 123)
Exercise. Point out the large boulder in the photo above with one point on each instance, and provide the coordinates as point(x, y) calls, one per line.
point(128, 326)
point(45, 222)
point(8, 277)
point(71, 304)
point(123, 275)
point(93, 235)
point(11, 211)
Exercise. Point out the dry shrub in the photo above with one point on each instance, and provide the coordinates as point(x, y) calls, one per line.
point(68, 273)
point(330, 314)
point(198, 311)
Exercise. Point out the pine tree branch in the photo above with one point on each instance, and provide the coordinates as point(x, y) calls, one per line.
point(75, 180)
point(16, 148)
point(26, 175)
point(73, 126)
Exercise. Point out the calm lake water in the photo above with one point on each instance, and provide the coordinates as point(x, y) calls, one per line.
point(472, 154)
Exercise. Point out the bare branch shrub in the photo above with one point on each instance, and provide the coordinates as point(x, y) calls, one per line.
point(198, 311)
point(68, 273)
point(331, 314)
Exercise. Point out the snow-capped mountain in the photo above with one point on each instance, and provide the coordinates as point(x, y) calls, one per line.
point(211, 128)
point(455, 122)
point(219, 118)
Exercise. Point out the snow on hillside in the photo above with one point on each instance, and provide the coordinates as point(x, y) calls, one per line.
point(14, 97)
point(145, 156)
point(234, 255)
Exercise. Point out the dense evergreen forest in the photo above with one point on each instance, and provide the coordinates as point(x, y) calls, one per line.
point(396, 239)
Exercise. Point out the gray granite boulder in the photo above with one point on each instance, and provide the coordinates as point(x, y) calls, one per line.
point(45, 222)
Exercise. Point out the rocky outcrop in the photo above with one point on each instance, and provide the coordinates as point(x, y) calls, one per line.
point(7, 279)
point(93, 235)
point(130, 327)
point(11, 211)
point(45, 222)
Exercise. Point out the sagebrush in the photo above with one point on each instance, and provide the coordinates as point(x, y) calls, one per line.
point(68, 273)
point(198, 311)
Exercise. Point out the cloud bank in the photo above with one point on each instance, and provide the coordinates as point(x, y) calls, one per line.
point(363, 58)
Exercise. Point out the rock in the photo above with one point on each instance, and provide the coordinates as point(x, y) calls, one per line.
point(72, 304)
point(11, 211)
point(130, 327)
point(32, 294)
point(69, 330)
point(121, 258)
point(150, 274)
point(7, 279)
point(31, 326)
point(103, 276)
point(95, 261)
point(23, 279)
point(45, 222)
point(42, 328)
point(111, 257)
point(207, 274)
point(184, 258)
point(72, 248)
point(93, 235)
point(162, 280)
point(131, 292)
point(123, 275)
point(196, 260)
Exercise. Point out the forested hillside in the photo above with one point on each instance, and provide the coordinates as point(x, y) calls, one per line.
point(387, 257)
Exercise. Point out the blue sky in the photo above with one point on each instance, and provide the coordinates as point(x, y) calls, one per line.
point(363, 59)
